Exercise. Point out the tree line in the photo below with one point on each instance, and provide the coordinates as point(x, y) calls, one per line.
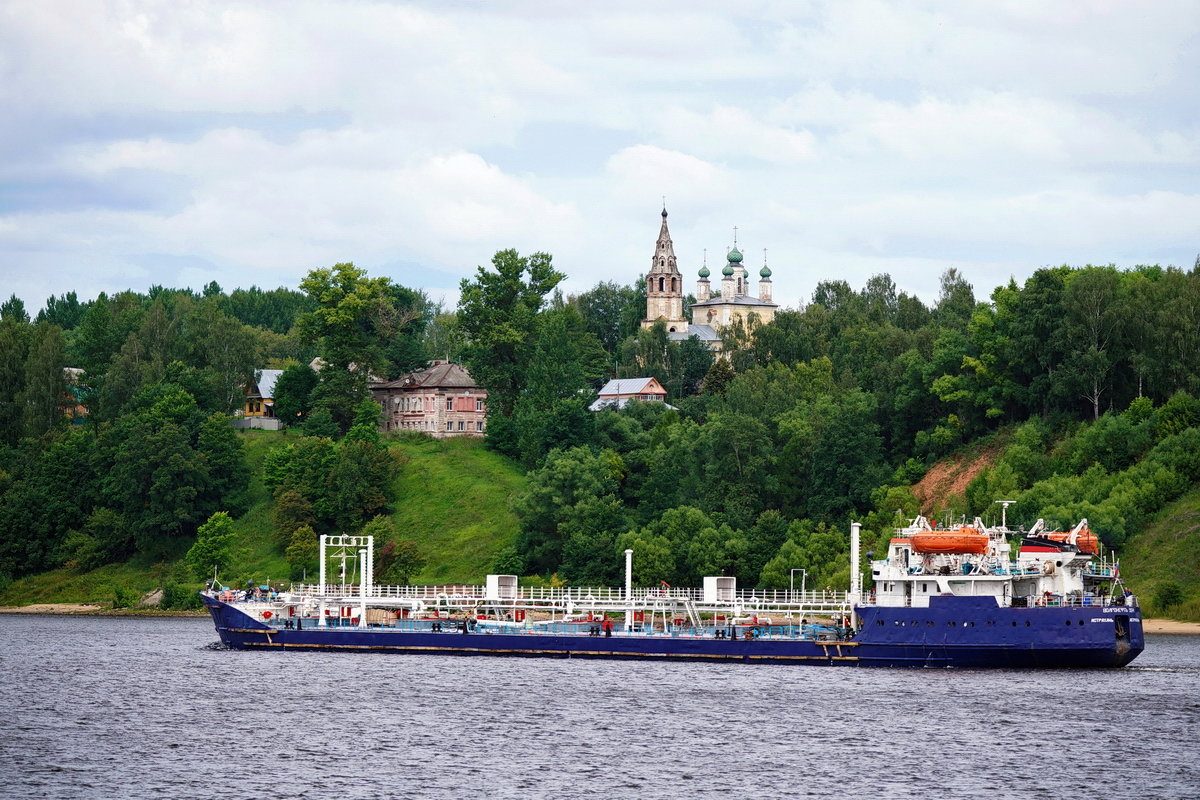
point(828, 413)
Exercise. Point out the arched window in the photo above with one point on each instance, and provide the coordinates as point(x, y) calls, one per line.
point(661, 283)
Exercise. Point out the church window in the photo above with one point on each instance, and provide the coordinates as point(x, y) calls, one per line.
point(661, 283)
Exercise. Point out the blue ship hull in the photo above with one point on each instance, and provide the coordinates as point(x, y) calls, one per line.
point(952, 632)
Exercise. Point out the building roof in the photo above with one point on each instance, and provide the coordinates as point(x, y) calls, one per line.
point(266, 382)
point(705, 333)
point(740, 300)
point(439, 375)
point(619, 386)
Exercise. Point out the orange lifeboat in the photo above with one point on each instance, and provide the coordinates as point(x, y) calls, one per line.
point(1087, 542)
point(962, 540)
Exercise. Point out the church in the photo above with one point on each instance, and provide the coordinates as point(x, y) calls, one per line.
point(710, 313)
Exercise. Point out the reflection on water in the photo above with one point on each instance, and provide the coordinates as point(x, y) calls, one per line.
point(111, 707)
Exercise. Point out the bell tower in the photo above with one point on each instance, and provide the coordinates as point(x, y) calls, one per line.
point(664, 285)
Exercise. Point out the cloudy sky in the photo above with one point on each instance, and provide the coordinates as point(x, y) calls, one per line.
point(179, 142)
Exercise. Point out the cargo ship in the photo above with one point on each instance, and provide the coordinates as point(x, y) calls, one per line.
point(966, 596)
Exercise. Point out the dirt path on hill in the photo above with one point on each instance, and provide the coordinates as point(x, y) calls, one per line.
point(950, 478)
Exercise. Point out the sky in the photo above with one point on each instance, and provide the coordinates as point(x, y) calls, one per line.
point(178, 143)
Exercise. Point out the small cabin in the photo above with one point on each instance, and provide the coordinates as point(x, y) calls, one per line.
point(501, 587)
point(720, 589)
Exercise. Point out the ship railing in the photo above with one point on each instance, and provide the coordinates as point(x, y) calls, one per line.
point(454, 594)
point(1073, 601)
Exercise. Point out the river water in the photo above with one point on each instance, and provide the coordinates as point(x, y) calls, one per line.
point(153, 707)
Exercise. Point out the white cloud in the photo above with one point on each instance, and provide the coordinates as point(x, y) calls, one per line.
point(254, 141)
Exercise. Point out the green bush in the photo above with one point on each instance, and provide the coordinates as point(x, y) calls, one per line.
point(178, 597)
point(125, 598)
point(1167, 595)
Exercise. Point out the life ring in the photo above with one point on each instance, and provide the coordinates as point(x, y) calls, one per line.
point(267, 615)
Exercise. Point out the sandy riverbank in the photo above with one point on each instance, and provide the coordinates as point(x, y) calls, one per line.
point(94, 609)
point(1169, 626)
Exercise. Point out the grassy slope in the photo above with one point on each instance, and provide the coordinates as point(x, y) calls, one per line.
point(1168, 550)
point(453, 502)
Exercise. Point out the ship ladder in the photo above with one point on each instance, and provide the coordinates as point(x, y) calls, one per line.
point(693, 615)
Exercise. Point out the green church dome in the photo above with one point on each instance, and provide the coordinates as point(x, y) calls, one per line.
point(735, 256)
point(728, 270)
point(704, 272)
point(765, 272)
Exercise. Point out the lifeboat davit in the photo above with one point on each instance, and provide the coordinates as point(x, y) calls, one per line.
point(1087, 542)
point(962, 540)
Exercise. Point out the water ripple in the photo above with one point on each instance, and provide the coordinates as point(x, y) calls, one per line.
point(137, 708)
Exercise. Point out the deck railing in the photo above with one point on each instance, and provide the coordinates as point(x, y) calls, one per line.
point(455, 594)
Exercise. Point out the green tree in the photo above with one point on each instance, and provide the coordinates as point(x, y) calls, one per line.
point(289, 511)
point(611, 312)
point(65, 311)
point(212, 550)
point(498, 312)
point(443, 337)
point(227, 476)
point(567, 479)
point(45, 387)
point(47, 487)
point(230, 350)
point(653, 560)
point(15, 337)
point(552, 411)
point(404, 348)
point(302, 553)
point(1093, 320)
point(293, 393)
point(352, 317)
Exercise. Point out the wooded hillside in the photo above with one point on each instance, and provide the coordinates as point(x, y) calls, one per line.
point(1073, 394)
